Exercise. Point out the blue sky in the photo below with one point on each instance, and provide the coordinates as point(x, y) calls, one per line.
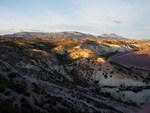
point(127, 18)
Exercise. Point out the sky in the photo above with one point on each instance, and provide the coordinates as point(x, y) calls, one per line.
point(127, 18)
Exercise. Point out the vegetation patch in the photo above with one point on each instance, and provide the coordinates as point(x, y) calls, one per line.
point(106, 56)
point(64, 58)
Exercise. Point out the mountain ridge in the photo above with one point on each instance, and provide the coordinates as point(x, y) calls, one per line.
point(111, 36)
point(66, 34)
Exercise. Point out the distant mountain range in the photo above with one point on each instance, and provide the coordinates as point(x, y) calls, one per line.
point(110, 36)
point(63, 35)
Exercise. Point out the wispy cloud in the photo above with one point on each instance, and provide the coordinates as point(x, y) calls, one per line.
point(148, 28)
point(116, 21)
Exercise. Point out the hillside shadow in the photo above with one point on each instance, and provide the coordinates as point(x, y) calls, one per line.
point(133, 59)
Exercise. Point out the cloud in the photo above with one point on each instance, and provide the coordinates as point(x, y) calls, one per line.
point(6, 30)
point(10, 29)
point(148, 28)
point(116, 21)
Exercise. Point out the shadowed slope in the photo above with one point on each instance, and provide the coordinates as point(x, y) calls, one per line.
point(139, 59)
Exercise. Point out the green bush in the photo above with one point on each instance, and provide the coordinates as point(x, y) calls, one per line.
point(12, 75)
point(64, 58)
point(63, 110)
point(2, 88)
point(22, 100)
point(37, 91)
point(6, 106)
point(146, 80)
point(27, 94)
point(3, 83)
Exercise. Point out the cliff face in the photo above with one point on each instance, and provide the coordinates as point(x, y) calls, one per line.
point(63, 72)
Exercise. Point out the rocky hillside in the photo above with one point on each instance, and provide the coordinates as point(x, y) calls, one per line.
point(42, 75)
point(62, 35)
point(111, 36)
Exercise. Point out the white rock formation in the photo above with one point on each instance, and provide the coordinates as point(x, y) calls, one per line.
point(101, 49)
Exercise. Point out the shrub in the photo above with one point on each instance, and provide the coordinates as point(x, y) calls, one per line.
point(37, 91)
point(146, 80)
point(12, 75)
point(27, 94)
point(3, 83)
point(21, 89)
point(64, 58)
point(22, 100)
point(63, 110)
point(39, 104)
point(6, 106)
point(2, 88)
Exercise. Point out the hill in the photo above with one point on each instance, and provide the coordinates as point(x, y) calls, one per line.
point(138, 59)
point(50, 35)
point(111, 36)
point(62, 35)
